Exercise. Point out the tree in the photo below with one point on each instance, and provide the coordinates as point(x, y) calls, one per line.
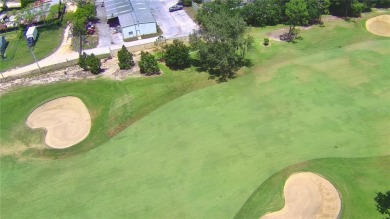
point(383, 203)
point(82, 61)
point(357, 8)
point(263, 12)
point(85, 11)
point(187, 3)
point(160, 43)
point(222, 45)
point(93, 63)
point(78, 29)
point(177, 55)
point(28, 16)
point(316, 9)
point(148, 64)
point(297, 14)
point(125, 59)
point(55, 11)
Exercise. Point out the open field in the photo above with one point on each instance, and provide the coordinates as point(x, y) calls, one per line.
point(207, 153)
point(18, 54)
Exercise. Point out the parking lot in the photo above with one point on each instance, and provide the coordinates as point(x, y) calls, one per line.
point(172, 24)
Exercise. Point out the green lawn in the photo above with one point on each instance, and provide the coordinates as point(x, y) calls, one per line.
point(18, 53)
point(205, 153)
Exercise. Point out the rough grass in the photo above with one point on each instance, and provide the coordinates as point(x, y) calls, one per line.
point(113, 106)
point(18, 54)
point(203, 154)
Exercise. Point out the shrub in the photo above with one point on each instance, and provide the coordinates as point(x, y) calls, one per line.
point(83, 61)
point(187, 3)
point(266, 41)
point(93, 63)
point(148, 64)
point(357, 8)
point(125, 59)
point(177, 55)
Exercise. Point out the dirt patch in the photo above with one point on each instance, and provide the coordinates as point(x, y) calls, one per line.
point(309, 196)
point(110, 70)
point(379, 25)
point(276, 34)
point(66, 121)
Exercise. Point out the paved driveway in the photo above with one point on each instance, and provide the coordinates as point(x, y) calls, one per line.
point(102, 26)
point(172, 24)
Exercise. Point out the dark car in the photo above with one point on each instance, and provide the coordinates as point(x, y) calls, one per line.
point(175, 8)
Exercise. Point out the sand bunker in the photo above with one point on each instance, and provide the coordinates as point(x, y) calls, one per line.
point(379, 25)
point(308, 196)
point(66, 121)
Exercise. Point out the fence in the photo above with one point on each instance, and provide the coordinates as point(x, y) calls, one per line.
point(146, 46)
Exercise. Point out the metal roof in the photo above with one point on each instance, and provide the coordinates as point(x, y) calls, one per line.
point(129, 12)
point(142, 11)
point(114, 8)
point(126, 20)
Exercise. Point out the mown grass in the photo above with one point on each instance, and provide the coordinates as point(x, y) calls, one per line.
point(113, 105)
point(357, 180)
point(18, 54)
point(203, 154)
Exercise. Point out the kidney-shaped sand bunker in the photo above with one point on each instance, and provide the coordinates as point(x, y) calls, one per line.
point(308, 196)
point(66, 121)
point(379, 25)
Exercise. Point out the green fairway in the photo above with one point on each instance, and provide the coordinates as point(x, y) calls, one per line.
point(113, 106)
point(18, 53)
point(205, 154)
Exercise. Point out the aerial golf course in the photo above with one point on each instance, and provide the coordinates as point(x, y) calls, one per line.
point(181, 145)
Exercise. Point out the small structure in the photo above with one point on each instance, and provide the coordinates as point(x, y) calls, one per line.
point(134, 17)
point(3, 46)
point(31, 35)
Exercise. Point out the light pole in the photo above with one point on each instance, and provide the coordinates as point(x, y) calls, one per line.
point(32, 53)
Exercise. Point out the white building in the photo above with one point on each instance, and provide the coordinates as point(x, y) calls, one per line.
point(134, 17)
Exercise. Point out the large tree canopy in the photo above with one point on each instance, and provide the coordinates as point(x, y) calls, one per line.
point(297, 14)
point(222, 44)
point(177, 55)
point(263, 12)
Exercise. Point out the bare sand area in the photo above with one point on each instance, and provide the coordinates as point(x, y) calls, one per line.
point(308, 196)
point(379, 25)
point(66, 121)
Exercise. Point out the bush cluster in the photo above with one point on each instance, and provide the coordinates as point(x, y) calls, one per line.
point(125, 59)
point(148, 64)
point(90, 62)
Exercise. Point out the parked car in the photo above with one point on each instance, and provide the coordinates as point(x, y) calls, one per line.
point(175, 8)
